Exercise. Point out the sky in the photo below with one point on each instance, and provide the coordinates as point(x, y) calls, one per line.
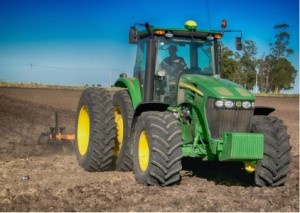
point(79, 42)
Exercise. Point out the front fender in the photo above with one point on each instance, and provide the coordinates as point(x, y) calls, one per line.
point(263, 110)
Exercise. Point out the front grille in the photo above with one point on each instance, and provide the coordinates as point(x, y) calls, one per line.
point(227, 120)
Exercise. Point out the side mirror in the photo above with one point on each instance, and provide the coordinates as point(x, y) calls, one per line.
point(134, 35)
point(238, 43)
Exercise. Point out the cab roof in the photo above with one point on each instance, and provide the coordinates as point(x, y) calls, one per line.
point(181, 32)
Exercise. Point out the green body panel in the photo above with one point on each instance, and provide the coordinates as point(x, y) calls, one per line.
point(133, 86)
point(242, 146)
point(196, 136)
point(217, 87)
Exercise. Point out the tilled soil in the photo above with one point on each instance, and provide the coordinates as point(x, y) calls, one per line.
point(37, 176)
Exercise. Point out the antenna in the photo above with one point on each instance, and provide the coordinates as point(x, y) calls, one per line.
point(208, 14)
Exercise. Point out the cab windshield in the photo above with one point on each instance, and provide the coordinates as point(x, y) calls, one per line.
point(177, 56)
point(185, 54)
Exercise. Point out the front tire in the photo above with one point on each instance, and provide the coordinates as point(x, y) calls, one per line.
point(157, 150)
point(273, 169)
point(95, 130)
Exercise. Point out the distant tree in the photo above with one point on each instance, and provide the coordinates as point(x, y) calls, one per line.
point(264, 66)
point(230, 68)
point(248, 64)
point(281, 73)
point(282, 39)
point(240, 69)
point(282, 76)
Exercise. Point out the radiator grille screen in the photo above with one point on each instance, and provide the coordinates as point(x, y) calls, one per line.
point(227, 120)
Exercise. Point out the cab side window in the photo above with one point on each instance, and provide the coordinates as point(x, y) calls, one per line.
point(140, 63)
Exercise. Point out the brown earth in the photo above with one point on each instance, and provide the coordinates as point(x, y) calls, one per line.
point(46, 177)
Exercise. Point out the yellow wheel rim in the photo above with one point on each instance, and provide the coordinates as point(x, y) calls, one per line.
point(119, 130)
point(83, 130)
point(249, 167)
point(143, 151)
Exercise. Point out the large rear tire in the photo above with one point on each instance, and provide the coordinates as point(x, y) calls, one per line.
point(123, 111)
point(273, 169)
point(95, 130)
point(157, 150)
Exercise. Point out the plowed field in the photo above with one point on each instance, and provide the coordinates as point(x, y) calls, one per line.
point(46, 176)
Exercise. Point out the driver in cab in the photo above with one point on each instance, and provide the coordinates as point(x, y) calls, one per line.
point(173, 63)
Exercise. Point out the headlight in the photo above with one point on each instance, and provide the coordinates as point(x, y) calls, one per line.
point(219, 103)
point(228, 104)
point(246, 104)
point(233, 104)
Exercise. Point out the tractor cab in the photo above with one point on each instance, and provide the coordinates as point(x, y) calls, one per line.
point(164, 54)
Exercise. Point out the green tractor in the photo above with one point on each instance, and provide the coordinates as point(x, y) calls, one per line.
point(176, 106)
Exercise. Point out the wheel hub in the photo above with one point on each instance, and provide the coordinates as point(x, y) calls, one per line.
point(119, 130)
point(83, 130)
point(143, 151)
point(249, 167)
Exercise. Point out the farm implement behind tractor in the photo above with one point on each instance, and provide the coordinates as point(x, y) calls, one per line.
point(175, 106)
point(56, 133)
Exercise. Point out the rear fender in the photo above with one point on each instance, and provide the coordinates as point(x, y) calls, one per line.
point(133, 86)
point(150, 106)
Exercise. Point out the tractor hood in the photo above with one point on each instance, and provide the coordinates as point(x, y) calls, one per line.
point(210, 86)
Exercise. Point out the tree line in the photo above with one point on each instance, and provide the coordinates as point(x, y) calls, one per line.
point(271, 73)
